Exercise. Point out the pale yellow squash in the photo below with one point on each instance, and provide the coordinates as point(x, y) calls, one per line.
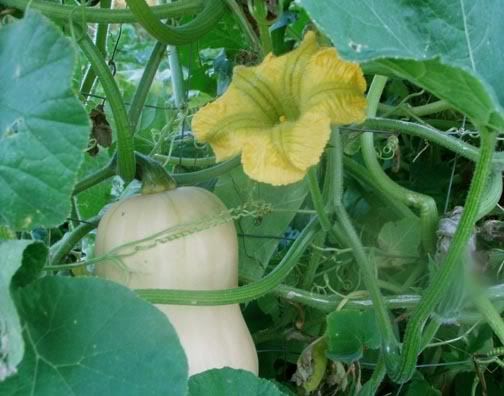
point(212, 337)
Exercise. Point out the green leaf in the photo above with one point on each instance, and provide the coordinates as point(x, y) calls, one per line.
point(230, 382)
point(259, 238)
point(400, 238)
point(91, 201)
point(19, 261)
point(43, 127)
point(88, 336)
point(452, 48)
point(349, 332)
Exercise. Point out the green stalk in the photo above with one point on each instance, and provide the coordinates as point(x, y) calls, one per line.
point(448, 269)
point(245, 25)
point(361, 174)
point(490, 313)
point(125, 146)
point(425, 204)
point(138, 102)
point(186, 161)
point(95, 178)
point(317, 200)
point(420, 111)
point(60, 249)
point(370, 388)
point(389, 342)
point(329, 302)
point(68, 13)
point(192, 178)
point(259, 11)
point(433, 135)
point(177, 79)
point(181, 179)
point(184, 34)
point(101, 45)
point(492, 195)
point(314, 262)
point(243, 293)
point(334, 231)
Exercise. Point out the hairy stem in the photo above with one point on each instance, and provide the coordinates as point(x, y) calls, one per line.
point(125, 154)
point(69, 13)
point(403, 371)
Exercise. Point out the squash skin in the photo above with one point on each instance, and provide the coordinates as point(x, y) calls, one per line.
point(212, 336)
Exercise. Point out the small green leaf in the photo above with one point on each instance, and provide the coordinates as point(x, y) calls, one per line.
point(451, 48)
point(230, 382)
point(349, 332)
point(88, 336)
point(19, 262)
point(43, 127)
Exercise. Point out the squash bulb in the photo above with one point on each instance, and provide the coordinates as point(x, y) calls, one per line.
point(212, 336)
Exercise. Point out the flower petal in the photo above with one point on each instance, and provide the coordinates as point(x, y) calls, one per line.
point(283, 155)
point(334, 86)
point(283, 74)
point(226, 122)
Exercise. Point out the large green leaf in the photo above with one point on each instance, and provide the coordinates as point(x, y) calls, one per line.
point(259, 238)
point(91, 201)
point(453, 48)
point(88, 336)
point(22, 258)
point(43, 127)
point(230, 382)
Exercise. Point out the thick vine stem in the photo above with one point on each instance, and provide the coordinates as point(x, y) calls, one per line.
point(96, 178)
point(191, 178)
point(389, 342)
point(101, 45)
point(433, 135)
point(184, 34)
point(492, 195)
point(61, 248)
point(423, 203)
point(403, 371)
point(70, 13)
point(245, 25)
point(154, 177)
point(361, 174)
point(419, 111)
point(181, 179)
point(243, 293)
point(138, 102)
point(371, 386)
point(125, 153)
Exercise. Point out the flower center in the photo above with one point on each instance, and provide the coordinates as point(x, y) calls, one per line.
point(289, 109)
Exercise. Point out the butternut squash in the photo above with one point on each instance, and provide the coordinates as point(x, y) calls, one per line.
point(212, 336)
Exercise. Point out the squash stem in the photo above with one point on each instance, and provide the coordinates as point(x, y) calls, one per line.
point(154, 177)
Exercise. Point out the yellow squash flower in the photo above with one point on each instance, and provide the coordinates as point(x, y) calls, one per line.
point(278, 114)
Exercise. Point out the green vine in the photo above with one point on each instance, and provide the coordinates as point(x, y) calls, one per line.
point(184, 34)
point(403, 370)
point(125, 146)
point(68, 13)
point(425, 204)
